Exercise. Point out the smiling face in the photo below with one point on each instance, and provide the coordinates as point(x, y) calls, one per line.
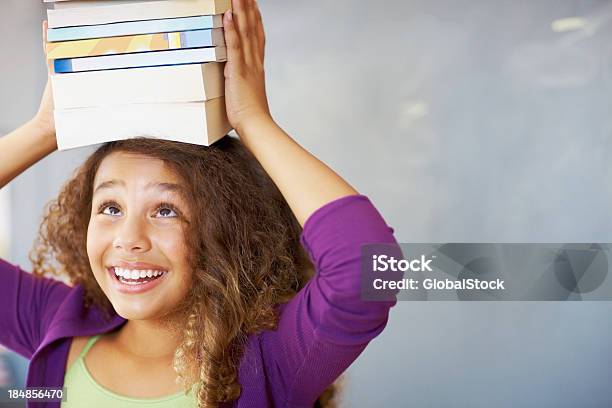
point(137, 230)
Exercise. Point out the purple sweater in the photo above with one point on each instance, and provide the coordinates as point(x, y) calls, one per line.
point(321, 331)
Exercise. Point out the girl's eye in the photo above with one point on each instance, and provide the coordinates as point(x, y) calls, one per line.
point(167, 212)
point(109, 209)
point(164, 210)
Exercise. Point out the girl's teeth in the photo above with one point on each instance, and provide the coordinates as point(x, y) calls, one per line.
point(136, 274)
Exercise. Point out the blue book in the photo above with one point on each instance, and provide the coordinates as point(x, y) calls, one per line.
point(134, 28)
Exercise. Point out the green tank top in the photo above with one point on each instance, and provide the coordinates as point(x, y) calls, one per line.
point(82, 390)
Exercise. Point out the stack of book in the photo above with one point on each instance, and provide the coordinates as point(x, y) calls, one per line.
point(128, 68)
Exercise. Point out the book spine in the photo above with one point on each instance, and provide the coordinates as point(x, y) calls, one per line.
point(145, 59)
point(134, 28)
point(130, 44)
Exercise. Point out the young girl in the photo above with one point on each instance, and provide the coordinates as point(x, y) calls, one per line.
point(188, 270)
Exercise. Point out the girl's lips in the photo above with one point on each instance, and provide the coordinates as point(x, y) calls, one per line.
point(138, 265)
point(134, 289)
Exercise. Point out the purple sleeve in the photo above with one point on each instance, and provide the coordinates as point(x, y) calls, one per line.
point(325, 327)
point(27, 305)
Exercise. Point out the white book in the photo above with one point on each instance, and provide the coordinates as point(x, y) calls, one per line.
point(200, 123)
point(140, 59)
point(169, 84)
point(65, 4)
point(106, 12)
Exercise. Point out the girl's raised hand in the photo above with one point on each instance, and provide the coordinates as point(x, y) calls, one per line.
point(28, 144)
point(245, 90)
point(44, 117)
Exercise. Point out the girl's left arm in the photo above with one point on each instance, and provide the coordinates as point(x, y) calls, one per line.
point(306, 183)
point(323, 329)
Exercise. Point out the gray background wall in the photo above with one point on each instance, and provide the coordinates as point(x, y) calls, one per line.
point(464, 121)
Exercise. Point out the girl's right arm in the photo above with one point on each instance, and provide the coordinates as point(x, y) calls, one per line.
point(31, 142)
point(22, 148)
point(27, 303)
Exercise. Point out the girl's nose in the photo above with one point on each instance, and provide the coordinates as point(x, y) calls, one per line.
point(132, 237)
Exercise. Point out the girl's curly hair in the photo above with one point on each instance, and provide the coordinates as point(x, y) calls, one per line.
point(244, 248)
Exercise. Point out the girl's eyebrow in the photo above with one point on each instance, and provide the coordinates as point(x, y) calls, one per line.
point(173, 187)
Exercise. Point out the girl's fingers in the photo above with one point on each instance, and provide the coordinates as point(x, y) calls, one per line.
point(242, 27)
point(261, 35)
point(45, 26)
point(232, 40)
point(251, 9)
point(44, 33)
point(244, 33)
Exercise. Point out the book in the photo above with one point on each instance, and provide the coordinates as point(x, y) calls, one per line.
point(141, 59)
point(201, 123)
point(82, 4)
point(135, 43)
point(89, 1)
point(134, 11)
point(169, 84)
point(134, 28)
point(140, 68)
point(63, 4)
point(56, 2)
